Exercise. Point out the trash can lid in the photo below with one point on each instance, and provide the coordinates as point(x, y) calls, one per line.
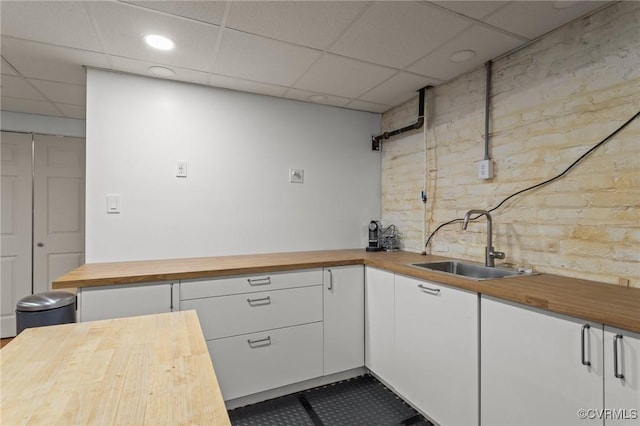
point(45, 301)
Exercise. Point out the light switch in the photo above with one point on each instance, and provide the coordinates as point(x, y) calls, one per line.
point(181, 168)
point(296, 175)
point(113, 203)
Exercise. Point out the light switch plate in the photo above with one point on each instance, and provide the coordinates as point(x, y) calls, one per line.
point(113, 203)
point(181, 168)
point(296, 175)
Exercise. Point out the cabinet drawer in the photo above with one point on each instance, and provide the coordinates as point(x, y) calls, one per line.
point(260, 361)
point(193, 289)
point(225, 316)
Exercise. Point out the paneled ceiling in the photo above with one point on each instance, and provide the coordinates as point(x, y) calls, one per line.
point(363, 55)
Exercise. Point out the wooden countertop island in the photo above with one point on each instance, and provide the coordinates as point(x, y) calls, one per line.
point(605, 303)
point(147, 370)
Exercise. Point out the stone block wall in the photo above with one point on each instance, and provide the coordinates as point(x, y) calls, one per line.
point(550, 102)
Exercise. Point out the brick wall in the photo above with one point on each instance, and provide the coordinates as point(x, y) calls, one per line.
point(550, 102)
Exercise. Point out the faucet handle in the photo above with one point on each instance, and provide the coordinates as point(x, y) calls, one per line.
point(497, 254)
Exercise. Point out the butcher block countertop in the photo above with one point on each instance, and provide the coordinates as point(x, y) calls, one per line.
point(147, 370)
point(605, 303)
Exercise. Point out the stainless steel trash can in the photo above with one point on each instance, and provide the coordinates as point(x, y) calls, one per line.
point(49, 308)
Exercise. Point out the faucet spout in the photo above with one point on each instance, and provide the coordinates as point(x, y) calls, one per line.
point(490, 254)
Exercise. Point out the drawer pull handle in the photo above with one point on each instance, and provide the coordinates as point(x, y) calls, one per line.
point(615, 357)
point(259, 343)
point(259, 281)
point(429, 289)
point(582, 344)
point(259, 302)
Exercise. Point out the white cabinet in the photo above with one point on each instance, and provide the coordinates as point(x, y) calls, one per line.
point(343, 318)
point(621, 377)
point(262, 331)
point(118, 301)
point(379, 323)
point(538, 368)
point(436, 350)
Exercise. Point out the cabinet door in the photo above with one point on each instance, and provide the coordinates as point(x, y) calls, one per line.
point(118, 301)
point(436, 350)
point(379, 328)
point(532, 370)
point(343, 318)
point(621, 394)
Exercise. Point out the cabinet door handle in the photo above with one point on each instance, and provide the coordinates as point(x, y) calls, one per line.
point(259, 302)
point(582, 345)
point(429, 289)
point(615, 356)
point(330, 279)
point(259, 343)
point(259, 281)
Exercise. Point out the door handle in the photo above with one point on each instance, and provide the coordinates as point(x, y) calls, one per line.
point(616, 338)
point(259, 302)
point(259, 281)
point(40, 244)
point(429, 289)
point(330, 280)
point(582, 345)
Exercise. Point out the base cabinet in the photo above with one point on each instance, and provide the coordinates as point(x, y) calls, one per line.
point(436, 350)
point(621, 377)
point(538, 368)
point(119, 301)
point(379, 324)
point(343, 318)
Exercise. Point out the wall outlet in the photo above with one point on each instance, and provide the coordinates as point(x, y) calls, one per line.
point(485, 169)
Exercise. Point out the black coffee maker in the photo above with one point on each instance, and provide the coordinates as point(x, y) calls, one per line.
point(374, 236)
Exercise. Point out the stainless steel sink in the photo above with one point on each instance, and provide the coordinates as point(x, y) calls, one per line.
point(470, 270)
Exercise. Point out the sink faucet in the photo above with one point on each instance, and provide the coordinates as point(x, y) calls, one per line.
point(489, 254)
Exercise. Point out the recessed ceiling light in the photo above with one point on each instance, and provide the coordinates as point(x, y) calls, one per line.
point(462, 55)
point(159, 42)
point(162, 71)
point(318, 98)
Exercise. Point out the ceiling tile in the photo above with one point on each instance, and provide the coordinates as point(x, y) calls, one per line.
point(205, 11)
point(37, 60)
point(28, 106)
point(246, 85)
point(398, 89)
point(304, 95)
point(474, 9)
point(73, 111)
point(6, 68)
point(309, 23)
point(260, 59)
point(345, 77)
point(135, 66)
point(65, 23)
point(61, 92)
point(487, 43)
point(16, 87)
point(368, 106)
point(124, 26)
point(534, 18)
point(398, 33)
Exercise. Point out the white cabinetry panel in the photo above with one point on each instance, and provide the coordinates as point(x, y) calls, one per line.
point(379, 323)
point(621, 394)
point(118, 301)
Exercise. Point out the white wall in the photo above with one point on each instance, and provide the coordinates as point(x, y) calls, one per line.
point(43, 124)
point(239, 148)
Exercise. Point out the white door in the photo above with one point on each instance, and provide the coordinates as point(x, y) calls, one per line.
point(621, 377)
point(538, 368)
point(58, 232)
point(16, 226)
point(379, 324)
point(343, 318)
point(436, 350)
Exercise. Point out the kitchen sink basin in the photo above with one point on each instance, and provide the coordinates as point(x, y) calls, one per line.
point(470, 270)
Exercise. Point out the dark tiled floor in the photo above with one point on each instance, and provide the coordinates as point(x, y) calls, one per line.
point(359, 401)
